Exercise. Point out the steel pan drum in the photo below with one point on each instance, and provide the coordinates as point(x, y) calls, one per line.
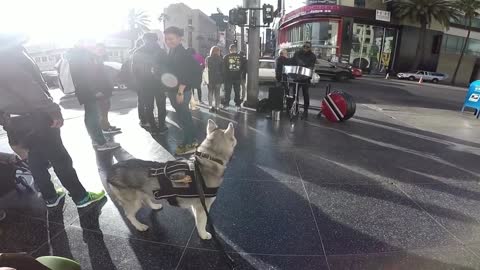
point(298, 72)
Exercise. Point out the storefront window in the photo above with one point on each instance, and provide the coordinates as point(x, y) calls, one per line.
point(322, 34)
point(372, 47)
point(454, 44)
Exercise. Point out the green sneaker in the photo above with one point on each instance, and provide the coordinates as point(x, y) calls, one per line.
point(91, 198)
point(56, 201)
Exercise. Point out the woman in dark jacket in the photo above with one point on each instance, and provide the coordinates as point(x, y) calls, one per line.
point(282, 61)
point(214, 64)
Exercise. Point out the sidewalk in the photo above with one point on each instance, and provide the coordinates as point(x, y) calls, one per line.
point(370, 193)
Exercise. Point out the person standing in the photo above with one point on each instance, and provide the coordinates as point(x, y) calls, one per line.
point(105, 84)
point(305, 58)
point(280, 62)
point(215, 66)
point(144, 64)
point(83, 68)
point(243, 83)
point(28, 111)
point(201, 61)
point(233, 75)
point(181, 66)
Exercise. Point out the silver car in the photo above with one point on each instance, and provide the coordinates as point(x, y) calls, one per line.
point(433, 77)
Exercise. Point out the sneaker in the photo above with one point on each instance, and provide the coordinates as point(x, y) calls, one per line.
point(144, 125)
point(107, 146)
point(185, 149)
point(112, 130)
point(163, 130)
point(115, 128)
point(3, 215)
point(90, 198)
point(56, 201)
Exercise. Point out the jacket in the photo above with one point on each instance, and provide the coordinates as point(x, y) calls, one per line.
point(103, 80)
point(22, 88)
point(182, 65)
point(83, 67)
point(215, 69)
point(146, 64)
point(234, 66)
point(305, 59)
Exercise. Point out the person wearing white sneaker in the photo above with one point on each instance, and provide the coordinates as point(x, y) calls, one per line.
point(106, 146)
point(31, 118)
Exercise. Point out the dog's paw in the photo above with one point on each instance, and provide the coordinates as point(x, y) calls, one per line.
point(206, 236)
point(156, 206)
point(141, 227)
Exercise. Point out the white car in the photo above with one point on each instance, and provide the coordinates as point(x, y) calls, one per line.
point(433, 77)
point(266, 72)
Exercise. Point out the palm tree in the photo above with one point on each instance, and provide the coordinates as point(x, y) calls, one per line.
point(424, 12)
point(138, 22)
point(468, 8)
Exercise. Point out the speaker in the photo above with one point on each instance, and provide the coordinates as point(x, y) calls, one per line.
point(275, 98)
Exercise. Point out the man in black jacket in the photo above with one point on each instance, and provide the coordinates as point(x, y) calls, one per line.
point(29, 115)
point(180, 64)
point(146, 60)
point(305, 58)
point(83, 68)
point(234, 66)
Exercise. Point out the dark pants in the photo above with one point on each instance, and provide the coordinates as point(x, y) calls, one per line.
point(228, 92)
point(184, 115)
point(304, 86)
point(198, 89)
point(92, 122)
point(152, 96)
point(141, 107)
point(45, 146)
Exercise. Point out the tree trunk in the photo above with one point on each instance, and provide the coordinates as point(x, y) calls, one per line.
point(454, 78)
point(420, 56)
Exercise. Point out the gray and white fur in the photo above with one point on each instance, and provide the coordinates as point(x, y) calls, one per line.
point(132, 187)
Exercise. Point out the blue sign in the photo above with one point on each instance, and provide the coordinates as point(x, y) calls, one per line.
point(472, 100)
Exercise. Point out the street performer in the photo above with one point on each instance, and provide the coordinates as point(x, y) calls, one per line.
point(305, 58)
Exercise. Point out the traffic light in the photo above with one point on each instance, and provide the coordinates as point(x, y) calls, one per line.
point(237, 17)
point(268, 14)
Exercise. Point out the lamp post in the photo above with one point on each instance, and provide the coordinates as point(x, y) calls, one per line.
point(253, 53)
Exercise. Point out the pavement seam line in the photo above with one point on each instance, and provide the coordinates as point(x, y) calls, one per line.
point(311, 211)
point(462, 244)
point(185, 249)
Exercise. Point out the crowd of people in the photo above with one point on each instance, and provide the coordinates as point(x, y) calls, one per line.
point(33, 120)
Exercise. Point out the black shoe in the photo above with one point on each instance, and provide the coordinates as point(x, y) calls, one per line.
point(163, 130)
point(212, 109)
point(115, 128)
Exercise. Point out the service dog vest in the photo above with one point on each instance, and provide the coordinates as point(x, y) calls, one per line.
point(172, 187)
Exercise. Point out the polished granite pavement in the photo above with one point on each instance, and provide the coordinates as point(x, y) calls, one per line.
point(371, 193)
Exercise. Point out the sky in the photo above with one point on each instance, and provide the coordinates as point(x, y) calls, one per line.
point(67, 20)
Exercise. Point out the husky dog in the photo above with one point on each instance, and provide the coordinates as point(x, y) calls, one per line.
point(133, 184)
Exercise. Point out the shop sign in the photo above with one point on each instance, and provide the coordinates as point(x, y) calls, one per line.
point(321, 2)
point(307, 10)
point(383, 15)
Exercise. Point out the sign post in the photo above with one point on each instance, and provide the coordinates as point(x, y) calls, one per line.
point(472, 100)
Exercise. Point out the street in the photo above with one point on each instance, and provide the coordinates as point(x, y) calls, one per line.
point(395, 187)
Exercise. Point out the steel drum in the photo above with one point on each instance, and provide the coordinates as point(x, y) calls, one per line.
point(298, 72)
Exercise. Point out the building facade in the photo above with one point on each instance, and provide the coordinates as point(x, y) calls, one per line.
point(200, 31)
point(366, 34)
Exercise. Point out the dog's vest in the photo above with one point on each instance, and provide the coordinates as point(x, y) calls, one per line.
point(171, 187)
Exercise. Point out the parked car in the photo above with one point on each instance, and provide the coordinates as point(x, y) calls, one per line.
point(333, 71)
point(434, 77)
point(356, 72)
point(266, 72)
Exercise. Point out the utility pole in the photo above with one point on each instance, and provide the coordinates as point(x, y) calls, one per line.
point(242, 38)
point(253, 53)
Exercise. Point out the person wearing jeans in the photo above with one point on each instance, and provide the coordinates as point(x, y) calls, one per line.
point(84, 67)
point(233, 65)
point(181, 64)
point(32, 119)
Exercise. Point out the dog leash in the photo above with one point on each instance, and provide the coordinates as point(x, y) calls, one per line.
point(199, 184)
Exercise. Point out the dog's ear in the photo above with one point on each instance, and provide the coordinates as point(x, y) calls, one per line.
point(230, 130)
point(211, 126)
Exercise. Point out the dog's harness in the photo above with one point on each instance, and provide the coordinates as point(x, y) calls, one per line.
point(185, 187)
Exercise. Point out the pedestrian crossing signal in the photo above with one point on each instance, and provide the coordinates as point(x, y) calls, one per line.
point(268, 14)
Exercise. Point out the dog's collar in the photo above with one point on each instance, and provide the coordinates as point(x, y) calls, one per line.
point(209, 157)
